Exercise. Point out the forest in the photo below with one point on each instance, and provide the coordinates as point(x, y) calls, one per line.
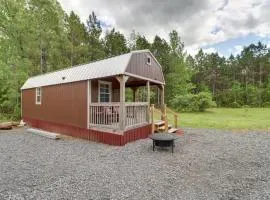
point(38, 36)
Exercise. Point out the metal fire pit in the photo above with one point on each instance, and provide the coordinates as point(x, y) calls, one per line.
point(163, 140)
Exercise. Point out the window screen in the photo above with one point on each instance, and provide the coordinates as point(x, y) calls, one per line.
point(104, 92)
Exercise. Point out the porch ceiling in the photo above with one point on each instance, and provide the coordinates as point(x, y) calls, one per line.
point(131, 82)
point(136, 82)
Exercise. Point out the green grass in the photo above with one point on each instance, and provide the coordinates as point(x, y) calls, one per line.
point(226, 118)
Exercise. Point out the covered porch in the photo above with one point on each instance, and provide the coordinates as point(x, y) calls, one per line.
point(109, 108)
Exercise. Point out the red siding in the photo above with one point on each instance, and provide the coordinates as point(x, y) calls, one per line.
point(93, 135)
point(65, 104)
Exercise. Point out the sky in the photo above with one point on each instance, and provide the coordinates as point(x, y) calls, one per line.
point(222, 26)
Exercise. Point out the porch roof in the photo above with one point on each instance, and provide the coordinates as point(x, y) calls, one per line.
point(103, 68)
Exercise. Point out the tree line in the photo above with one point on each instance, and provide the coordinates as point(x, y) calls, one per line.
point(38, 36)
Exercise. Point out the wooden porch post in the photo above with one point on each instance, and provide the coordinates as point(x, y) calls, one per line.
point(134, 89)
point(162, 102)
point(122, 111)
point(162, 95)
point(152, 118)
point(148, 100)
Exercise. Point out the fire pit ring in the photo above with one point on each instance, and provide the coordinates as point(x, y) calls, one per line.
point(163, 140)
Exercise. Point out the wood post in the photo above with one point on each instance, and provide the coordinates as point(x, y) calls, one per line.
point(122, 111)
point(134, 89)
point(162, 102)
point(162, 96)
point(148, 98)
point(175, 120)
point(152, 118)
point(165, 117)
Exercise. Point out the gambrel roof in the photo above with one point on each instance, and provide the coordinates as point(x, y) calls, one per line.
point(103, 68)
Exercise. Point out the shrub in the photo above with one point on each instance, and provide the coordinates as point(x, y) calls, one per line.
point(182, 102)
point(245, 106)
point(193, 102)
point(266, 104)
point(234, 105)
point(205, 101)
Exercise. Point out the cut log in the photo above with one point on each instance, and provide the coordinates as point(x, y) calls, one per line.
point(46, 134)
point(15, 123)
point(6, 125)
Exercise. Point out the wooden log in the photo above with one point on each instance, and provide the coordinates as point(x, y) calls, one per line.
point(6, 125)
point(15, 123)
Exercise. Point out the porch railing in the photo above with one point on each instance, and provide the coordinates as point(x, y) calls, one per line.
point(136, 113)
point(106, 115)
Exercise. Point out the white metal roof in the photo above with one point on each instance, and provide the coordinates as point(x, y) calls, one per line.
point(102, 68)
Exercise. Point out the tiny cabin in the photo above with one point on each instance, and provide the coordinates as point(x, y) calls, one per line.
point(88, 101)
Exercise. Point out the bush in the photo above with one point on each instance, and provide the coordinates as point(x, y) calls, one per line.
point(245, 106)
point(235, 105)
point(193, 102)
point(266, 104)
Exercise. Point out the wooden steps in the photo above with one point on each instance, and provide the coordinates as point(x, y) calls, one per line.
point(160, 127)
point(172, 130)
point(159, 123)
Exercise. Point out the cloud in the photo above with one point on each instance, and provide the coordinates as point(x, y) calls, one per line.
point(268, 44)
point(199, 23)
point(210, 50)
point(237, 49)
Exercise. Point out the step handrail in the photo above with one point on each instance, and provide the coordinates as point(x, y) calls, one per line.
point(170, 110)
point(163, 116)
point(157, 110)
point(175, 116)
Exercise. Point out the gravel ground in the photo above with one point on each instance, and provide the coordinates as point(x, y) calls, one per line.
point(207, 164)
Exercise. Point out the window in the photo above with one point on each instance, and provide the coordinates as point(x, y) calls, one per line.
point(38, 95)
point(148, 60)
point(104, 91)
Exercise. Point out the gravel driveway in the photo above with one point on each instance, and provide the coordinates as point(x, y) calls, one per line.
point(207, 164)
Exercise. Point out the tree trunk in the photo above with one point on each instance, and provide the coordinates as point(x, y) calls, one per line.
point(43, 63)
point(72, 50)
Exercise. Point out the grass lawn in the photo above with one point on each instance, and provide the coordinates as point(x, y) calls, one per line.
point(226, 118)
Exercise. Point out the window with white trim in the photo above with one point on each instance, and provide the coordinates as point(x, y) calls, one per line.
point(104, 91)
point(148, 61)
point(38, 95)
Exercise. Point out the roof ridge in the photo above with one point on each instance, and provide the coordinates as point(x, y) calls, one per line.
point(140, 51)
